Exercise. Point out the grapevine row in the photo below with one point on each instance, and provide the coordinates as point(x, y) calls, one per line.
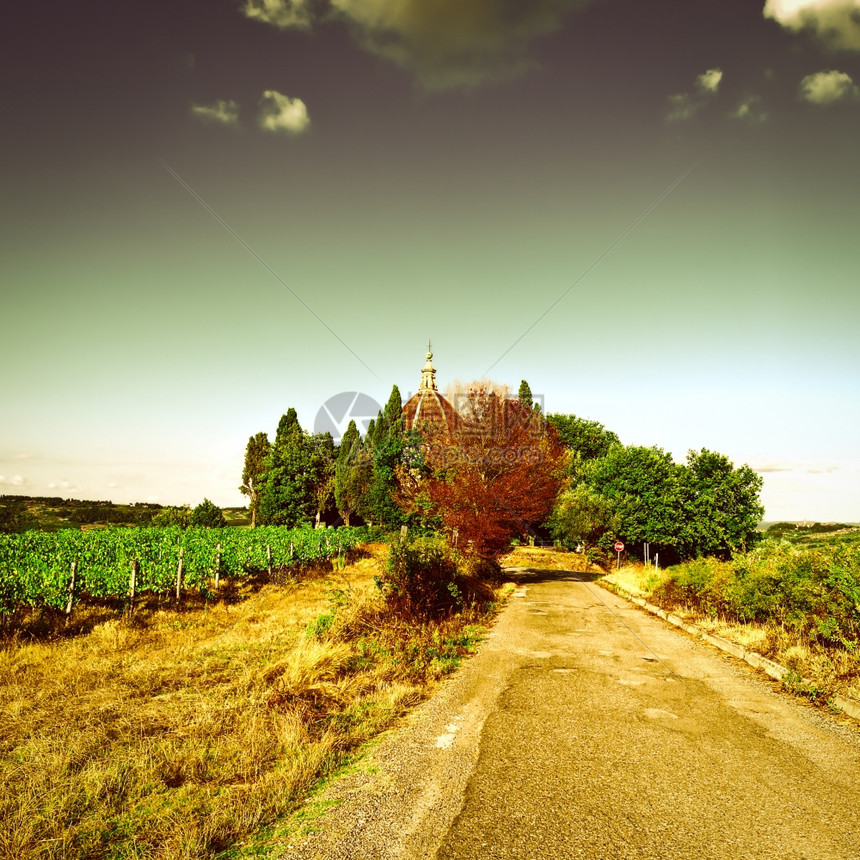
point(36, 567)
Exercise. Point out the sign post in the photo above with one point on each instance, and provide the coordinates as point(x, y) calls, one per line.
point(619, 548)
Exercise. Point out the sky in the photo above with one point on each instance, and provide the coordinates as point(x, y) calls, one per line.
point(211, 211)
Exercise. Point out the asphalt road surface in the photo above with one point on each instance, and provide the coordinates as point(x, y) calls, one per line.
point(587, 728)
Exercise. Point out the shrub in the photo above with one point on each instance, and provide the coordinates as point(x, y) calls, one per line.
point(208, 514)
point(421, 576)
point(814, 592)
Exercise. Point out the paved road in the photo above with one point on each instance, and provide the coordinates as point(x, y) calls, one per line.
point(586, 728)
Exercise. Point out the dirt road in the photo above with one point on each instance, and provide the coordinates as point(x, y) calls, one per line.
point(586, 728)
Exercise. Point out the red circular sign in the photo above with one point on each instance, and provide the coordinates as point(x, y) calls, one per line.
point(619, 547)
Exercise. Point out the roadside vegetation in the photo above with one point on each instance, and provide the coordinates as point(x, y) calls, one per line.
point(168, 732)
point(795, 603)
point(138, 726)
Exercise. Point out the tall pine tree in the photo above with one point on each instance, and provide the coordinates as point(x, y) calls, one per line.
point(350, 474)
point(385, 443)
point(288, 496)
point(254, 473)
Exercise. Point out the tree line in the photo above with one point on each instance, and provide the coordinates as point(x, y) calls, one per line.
point(301, 477)
point(506, 471)
point(704, 507)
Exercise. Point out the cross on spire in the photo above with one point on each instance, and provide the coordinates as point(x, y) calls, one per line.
point(428, 372)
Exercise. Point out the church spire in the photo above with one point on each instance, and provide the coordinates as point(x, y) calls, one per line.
point(428, 372)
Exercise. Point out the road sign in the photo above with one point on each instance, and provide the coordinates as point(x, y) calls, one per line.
point(619, 547)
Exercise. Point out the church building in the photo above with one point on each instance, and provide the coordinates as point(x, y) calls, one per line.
point(428, 408)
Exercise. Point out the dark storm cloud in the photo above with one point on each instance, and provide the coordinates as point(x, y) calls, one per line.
point(443, 43)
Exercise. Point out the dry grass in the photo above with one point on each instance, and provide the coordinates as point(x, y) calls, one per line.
point(546, 558)
point(828, 670)
point(175, 734)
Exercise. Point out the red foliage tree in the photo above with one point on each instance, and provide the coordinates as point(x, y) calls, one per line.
point(494, 477)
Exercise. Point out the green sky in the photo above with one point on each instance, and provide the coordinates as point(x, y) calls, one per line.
point(449, 171)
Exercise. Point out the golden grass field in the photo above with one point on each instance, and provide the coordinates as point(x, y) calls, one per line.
point(180, 733)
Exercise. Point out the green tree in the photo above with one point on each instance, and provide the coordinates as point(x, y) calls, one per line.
point(386, 443)
point(720, 505)
point(287, 497)
point(208, 514)
point(13, 514)
point(287, 426)
point(641, 486)
point(524, 395)
point(322, 460)
point(173, 516)
point(350, 476)
point(254, 472)
point(582, 516)
point(585, 439)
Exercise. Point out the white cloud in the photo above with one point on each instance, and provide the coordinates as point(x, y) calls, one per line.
point(709, 81)
point(834, 22)
point(223, 111)
point(279, 13)
point(749, 109)
point(770, 464)
point(281, 113)
point(683, 106)
point(14, 481)
point(825, 88)
point(62, 485)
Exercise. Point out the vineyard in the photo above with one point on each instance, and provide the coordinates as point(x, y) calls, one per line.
point(52, 570)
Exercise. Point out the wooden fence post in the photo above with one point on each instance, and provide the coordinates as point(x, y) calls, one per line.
point(292, 553)
point(217, 567)
point(71, 599)
point(179, 572)
point(269, 558)
point(132, 586)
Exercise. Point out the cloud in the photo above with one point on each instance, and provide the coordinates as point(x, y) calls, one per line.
point(281, 113)
point(444, 43)
point(454, 43)
point(226, 112)
point(835, 22)
point(749, 109)
point(683, 106)
point(279, 13)
point(62, 485)
point(825, 88)
point(769, 464)
point(709, 81)
point(14, 481)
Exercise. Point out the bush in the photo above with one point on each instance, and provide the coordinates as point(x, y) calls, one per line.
point(421, 575)
point(208, 514)
point(814, 592)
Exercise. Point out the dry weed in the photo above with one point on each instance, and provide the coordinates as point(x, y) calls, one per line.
point(177, 733)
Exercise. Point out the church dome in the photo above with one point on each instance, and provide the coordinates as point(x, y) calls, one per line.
point(428, 409)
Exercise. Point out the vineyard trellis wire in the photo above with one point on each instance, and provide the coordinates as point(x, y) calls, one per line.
point(36, 567)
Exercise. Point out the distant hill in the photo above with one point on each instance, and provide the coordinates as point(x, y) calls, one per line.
point(813, 534)
point(51, 513)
